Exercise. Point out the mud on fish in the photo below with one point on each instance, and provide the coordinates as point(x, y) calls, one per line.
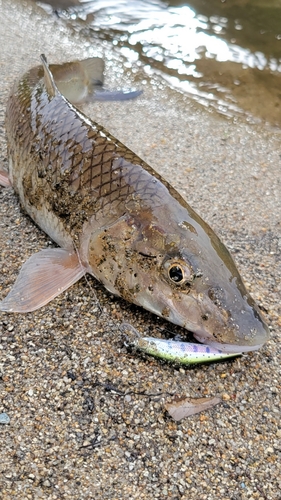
point(114, 217)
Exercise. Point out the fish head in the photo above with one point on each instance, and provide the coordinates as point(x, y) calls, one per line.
point(199, 288)
point(183, 273)
point(213, 304)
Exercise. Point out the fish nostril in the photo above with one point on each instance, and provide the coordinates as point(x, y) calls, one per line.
point(205, 317)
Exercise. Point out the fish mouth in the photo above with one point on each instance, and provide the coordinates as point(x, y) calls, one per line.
point(257, 342)
point(236, 336)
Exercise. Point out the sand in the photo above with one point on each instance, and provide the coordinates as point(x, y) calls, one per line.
point(87, 417)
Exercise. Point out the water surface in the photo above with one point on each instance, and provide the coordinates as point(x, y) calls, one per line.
point(226, 55)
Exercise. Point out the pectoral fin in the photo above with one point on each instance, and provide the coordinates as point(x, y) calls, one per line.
point(44, 275)
point(4, 179)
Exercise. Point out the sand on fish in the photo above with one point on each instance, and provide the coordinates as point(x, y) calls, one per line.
point(87, 417)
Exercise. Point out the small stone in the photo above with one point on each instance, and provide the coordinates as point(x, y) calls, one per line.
point(225, 397)
point(269, 450)
point(4, 418)
point(221, 423)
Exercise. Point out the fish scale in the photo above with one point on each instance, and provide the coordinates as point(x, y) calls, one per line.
point(71, 150)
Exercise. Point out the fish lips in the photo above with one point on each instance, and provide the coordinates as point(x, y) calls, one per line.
point(246, 343)
point(242, 331)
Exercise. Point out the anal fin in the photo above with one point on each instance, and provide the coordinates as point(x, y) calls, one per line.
point(43, 277)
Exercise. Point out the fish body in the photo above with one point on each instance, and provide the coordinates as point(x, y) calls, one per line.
point(116, 218)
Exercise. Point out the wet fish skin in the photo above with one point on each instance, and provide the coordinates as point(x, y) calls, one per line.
point(118, 219)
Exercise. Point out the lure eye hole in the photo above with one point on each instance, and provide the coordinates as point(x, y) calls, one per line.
point(176, 274)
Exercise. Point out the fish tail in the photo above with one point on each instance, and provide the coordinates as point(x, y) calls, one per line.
point(93, 69)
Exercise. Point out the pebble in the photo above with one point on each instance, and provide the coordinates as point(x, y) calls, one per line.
point(4, 418)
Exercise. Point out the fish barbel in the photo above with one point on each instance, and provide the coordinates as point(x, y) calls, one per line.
point(116, 218)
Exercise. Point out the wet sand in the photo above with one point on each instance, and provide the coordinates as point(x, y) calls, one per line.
point(86, 415)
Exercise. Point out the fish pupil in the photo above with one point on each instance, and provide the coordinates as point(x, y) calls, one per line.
point(176, 274)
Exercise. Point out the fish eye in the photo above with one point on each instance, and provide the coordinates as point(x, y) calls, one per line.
point(179, 272)
point(176, 273)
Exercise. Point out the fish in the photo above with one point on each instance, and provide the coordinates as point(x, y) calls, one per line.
point(116, 218)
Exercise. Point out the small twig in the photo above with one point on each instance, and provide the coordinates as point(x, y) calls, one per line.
point(92, 444)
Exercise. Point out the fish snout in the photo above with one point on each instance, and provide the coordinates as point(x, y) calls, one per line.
point(237, 329)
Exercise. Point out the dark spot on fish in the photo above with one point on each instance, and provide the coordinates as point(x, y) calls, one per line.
point(188, 226)
point(165, 312)
point(216, 295)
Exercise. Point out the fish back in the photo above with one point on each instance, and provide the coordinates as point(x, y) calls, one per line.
point(63, 162)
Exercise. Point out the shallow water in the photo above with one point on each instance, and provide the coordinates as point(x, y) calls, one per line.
point(226, 55)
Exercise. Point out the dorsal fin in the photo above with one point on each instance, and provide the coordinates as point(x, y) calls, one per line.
point(48, 78)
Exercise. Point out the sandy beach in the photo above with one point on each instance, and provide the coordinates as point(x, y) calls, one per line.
point(87, 417)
